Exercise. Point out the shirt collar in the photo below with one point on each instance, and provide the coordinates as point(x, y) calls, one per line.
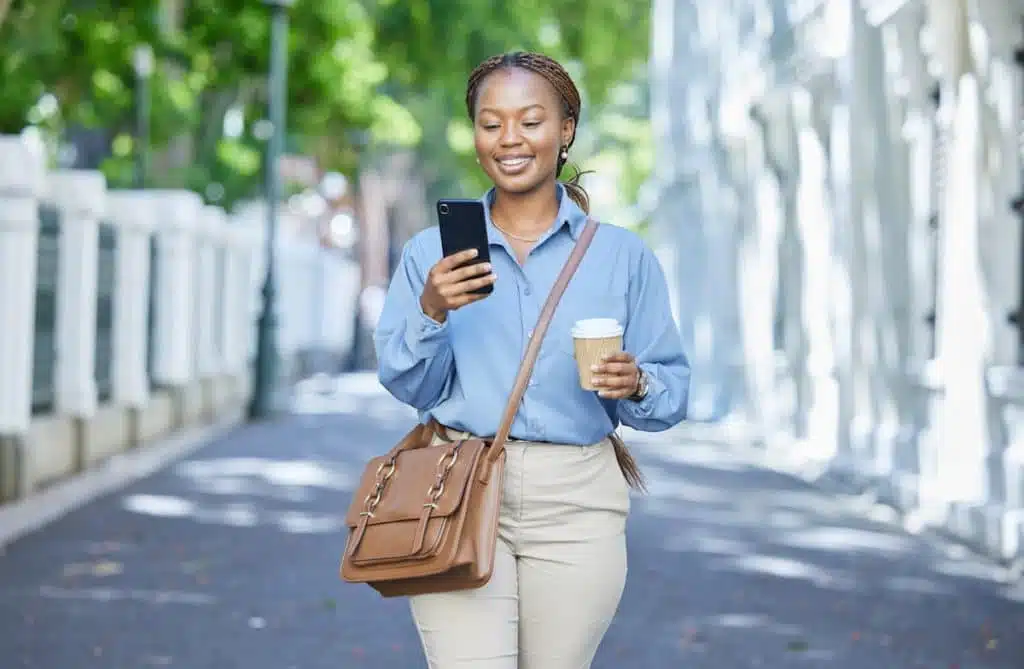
point(569, 215)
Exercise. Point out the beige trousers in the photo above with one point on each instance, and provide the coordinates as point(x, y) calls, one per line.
point(559, 569)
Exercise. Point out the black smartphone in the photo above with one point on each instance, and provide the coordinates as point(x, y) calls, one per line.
point(463, 225)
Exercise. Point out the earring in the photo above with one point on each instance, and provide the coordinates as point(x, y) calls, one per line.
point(565, 153)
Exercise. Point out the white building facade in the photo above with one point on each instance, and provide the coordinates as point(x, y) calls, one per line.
point(840, 204)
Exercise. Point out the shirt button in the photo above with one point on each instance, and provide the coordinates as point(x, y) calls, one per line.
point(526, 290)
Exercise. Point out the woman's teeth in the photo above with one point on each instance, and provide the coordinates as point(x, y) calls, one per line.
point(513, 163)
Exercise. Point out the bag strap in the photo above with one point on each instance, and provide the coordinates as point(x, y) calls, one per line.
point(533, 349)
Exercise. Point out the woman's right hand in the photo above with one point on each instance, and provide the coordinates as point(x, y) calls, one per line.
point(448, 286)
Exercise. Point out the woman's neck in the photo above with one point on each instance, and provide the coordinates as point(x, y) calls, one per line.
point(527, 214)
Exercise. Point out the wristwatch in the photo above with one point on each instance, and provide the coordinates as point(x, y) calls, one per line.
point(641, 386)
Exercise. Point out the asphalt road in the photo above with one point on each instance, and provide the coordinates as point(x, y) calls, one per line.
point(229, 559)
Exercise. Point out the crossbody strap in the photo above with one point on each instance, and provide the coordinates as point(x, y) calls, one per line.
point(533, 349)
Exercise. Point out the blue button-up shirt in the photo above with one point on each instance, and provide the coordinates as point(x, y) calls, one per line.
point(462, 371)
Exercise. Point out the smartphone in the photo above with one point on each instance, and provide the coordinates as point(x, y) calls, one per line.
point(463, 225)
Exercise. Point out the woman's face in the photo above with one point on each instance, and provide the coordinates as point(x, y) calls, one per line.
point(519, 129)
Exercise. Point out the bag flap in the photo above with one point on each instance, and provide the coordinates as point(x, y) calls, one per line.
point(409, 487)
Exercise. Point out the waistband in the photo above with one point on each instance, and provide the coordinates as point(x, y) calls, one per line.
point(446, 432)
point(450, 433)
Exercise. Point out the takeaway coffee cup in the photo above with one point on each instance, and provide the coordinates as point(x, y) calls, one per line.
point(593, 338)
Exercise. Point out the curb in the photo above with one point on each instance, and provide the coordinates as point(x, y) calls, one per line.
point(39, 509)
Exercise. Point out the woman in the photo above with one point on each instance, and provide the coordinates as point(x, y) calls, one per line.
point(453, 355)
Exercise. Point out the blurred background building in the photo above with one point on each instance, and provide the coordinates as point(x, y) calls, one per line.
point(839, 198)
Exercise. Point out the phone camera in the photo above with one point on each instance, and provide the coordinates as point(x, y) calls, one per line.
point(443, 208)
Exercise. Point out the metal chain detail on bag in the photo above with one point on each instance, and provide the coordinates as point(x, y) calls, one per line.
point(444, 468)
point(384, 472)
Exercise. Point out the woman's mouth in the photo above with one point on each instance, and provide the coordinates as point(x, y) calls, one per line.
point(514, 164)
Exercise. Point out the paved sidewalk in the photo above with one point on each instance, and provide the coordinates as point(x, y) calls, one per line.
point(229, 559)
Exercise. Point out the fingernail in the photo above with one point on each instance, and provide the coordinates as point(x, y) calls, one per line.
point(594, 368)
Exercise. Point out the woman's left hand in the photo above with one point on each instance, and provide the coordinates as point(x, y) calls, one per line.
point(616, 376)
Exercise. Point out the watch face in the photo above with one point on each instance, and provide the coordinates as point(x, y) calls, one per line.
point(641, 386)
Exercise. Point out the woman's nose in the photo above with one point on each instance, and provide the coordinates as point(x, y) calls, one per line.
point(510, 135)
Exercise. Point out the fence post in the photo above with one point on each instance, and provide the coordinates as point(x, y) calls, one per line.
point(239, 290)
point(174, 313)
point(21, 181)
point(248, 221)
point(231, 333)
point(133, 215)
point(208, 234)
point(80, 197)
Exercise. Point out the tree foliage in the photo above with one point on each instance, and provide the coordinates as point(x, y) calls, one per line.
point(431, 46)
point(428, 43)
point(392, 71)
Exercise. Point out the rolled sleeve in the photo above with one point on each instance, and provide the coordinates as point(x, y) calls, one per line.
point(644, 408)
point(653, 337)
point(424, 336)
point(414, 355)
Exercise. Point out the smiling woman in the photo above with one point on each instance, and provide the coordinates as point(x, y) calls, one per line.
point(559, 562)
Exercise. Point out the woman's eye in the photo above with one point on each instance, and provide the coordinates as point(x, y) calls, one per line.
point(531, 124)
point(491, 126)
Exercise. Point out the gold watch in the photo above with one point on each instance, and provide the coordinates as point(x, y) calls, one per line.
point(640, 392)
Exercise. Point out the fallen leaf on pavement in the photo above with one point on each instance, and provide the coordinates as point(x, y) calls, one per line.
point(797, 646)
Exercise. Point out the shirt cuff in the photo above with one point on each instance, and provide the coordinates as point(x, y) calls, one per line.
point(424, 336)
point(643, 408)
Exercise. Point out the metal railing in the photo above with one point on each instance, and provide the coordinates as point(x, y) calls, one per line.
point(105, 278)
point(44, 356)
point(219, 301)
point(154, 279)
point(44, 351)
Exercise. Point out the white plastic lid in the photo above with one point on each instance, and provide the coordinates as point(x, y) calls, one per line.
point(596, 328)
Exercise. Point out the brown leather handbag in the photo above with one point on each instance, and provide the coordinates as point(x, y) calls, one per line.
point(425, 516)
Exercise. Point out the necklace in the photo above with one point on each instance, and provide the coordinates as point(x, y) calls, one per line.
point(529, 240)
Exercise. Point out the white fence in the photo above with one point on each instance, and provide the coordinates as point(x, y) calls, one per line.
point(129, 314)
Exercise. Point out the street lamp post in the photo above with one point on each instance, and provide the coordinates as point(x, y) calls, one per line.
point(267, 364)
point(142, 62)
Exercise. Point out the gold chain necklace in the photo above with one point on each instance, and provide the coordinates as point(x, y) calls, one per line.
point(528, 240)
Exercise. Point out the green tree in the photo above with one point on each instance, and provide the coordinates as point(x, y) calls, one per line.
point(390, 70)
point(223, 50)
point(430, 44)
point(67, 63)
point(430, 47)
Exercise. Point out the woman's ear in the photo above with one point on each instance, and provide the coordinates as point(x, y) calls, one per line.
point(568, 131)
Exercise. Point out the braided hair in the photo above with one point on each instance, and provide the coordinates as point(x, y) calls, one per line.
point(563, 84)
